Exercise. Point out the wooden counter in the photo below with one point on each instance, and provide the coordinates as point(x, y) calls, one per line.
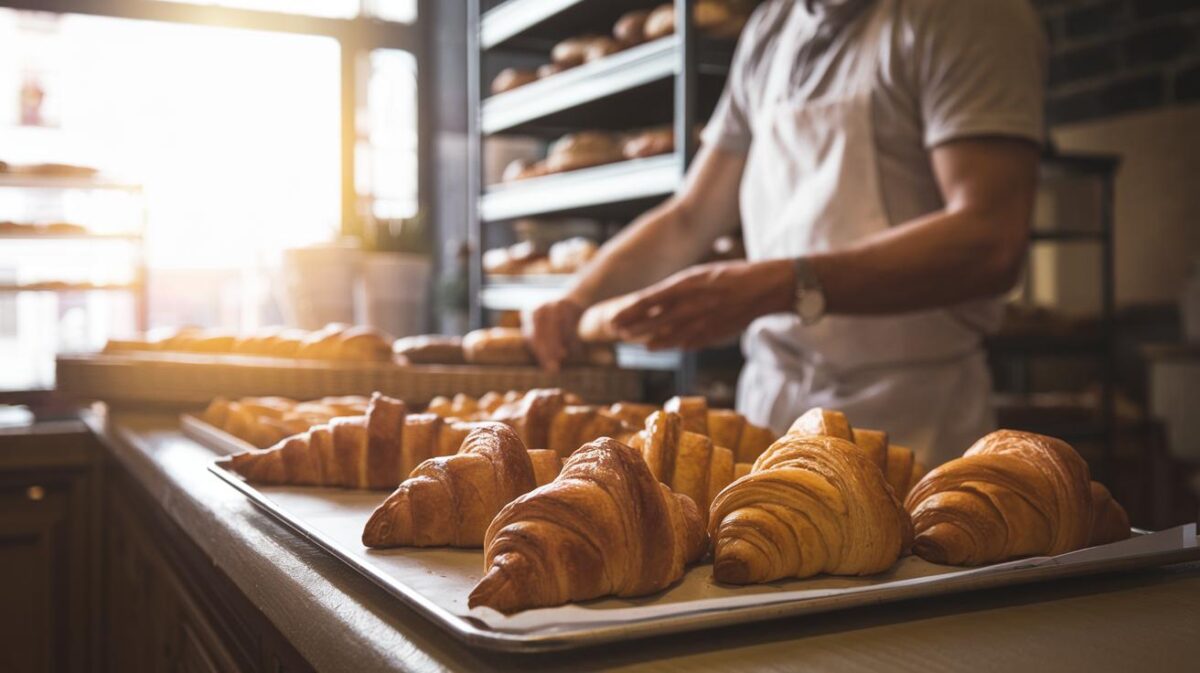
point(338, 621)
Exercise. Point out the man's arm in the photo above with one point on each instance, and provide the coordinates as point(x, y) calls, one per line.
point(669, 237)
point(972, 248)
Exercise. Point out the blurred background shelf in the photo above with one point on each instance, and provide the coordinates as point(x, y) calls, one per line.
point(619, 91)
point(538, 24)
point(79, 236)
point(521, 294)
point(34, 181)
point(70, 287)
point(621, 188)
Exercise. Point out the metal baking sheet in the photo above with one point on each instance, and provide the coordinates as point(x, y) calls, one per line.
point(436, 582)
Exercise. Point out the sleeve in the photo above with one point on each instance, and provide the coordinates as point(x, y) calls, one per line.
point(729, 126)
point(980, 70)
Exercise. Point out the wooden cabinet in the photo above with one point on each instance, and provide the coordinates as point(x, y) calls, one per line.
point(166, 607)
point(46, 551)
point(94, 576)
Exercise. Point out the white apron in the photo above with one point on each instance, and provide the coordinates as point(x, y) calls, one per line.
point(811, 184)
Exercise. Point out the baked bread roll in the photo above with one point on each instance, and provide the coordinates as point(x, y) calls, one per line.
point(630, 29)
point(430, 349)
point(582, 150)
point(497, 346)
point(374, 451)
point(600, 47)
point(547, 69)
point(720, 19)
point(810, 504)
point(523, 169)
point(649, 143)
point(1012, 494)
point(571, 51)
point(571, 255)
point(512, 78)
point(898, 463)
point(450, 500)
point(344, 342)
point(605, 526)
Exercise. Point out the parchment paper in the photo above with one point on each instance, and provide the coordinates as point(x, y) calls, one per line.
point(446, 576)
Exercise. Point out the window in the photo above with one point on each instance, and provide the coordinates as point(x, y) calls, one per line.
point(234, 136)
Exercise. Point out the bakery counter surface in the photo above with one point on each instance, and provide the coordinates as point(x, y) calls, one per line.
point(339, 621)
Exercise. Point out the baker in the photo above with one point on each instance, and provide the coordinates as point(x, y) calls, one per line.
point(882, 158)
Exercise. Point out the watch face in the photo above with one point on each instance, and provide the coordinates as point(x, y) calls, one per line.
point(811, 306)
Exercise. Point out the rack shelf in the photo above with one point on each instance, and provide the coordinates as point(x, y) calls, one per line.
point(33, 181)
point(626, 84)
point(534, 24)
point(589, 191)
point(520, 295)
point(69, 287)
point(82, 236)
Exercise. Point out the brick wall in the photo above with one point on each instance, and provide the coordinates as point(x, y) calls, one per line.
point(1109, 57)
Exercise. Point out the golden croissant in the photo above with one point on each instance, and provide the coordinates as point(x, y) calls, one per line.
point(898, 463)
point(726, 427)
point(811, 504)
point(550, 419)
point(263, 421)
point(374, 451)
point(467, 408)
point(688, 462)
point(1012, 494)
point(604, 527)
point(450, 500)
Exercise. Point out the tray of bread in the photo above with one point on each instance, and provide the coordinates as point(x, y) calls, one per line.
point(191, 367)
point(528, 522)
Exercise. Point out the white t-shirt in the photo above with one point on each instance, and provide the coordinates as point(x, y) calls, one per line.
point(949, 69)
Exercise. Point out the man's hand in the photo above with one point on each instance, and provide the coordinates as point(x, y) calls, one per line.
point(551, 331)
point(707, 304)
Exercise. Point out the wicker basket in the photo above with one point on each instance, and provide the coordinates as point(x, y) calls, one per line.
point(179, 379)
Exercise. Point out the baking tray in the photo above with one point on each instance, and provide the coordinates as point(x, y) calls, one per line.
point(436, 582)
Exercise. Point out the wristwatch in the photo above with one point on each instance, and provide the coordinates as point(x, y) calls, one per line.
point(809, 297)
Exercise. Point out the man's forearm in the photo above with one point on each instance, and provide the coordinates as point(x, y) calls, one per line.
point(651, 248)
point(941, 259)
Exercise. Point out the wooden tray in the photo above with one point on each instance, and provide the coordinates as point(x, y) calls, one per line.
point(191, 379)
point(436, 582)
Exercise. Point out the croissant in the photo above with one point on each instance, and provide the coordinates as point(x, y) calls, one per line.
point(545, 419)
point(632, 414)
point(726, 427)
point(688, 462)
point(450, 500)
point(899, 464)
point(467, 408)
point(374, 451)
point(604, 526)
point(811, 504)
point(1109, 521)
point(263, 421)
point(1012, 494)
